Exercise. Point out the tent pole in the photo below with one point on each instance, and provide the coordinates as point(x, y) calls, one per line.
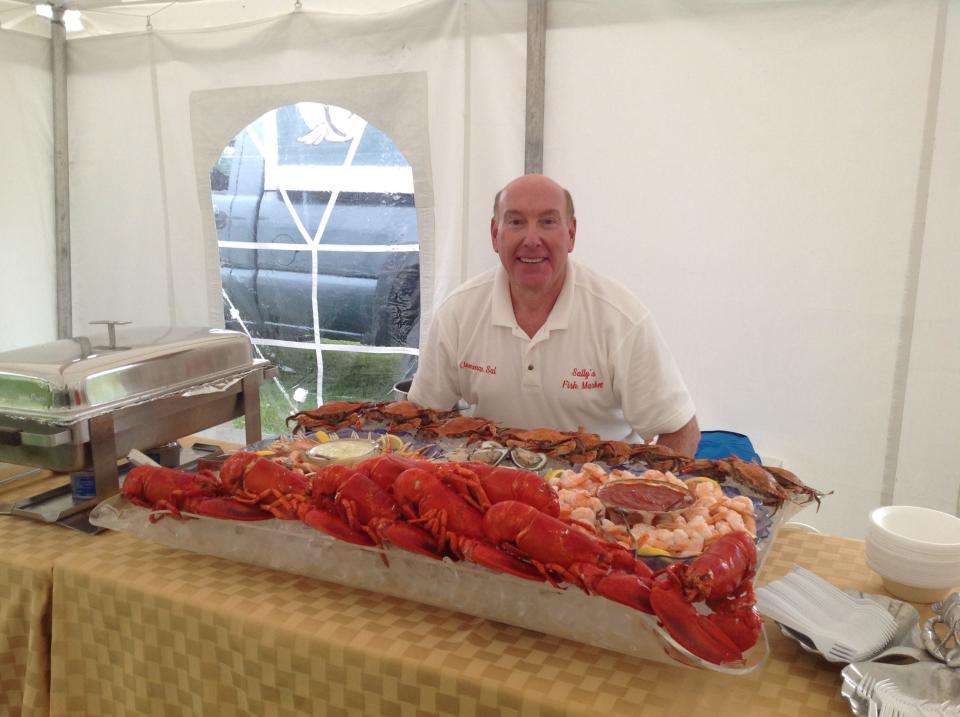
point(536, 54)
point(61, 174)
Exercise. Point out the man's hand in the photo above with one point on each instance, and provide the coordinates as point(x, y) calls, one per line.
point(684, 440)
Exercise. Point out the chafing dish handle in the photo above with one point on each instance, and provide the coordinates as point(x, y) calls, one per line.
point(17, 437)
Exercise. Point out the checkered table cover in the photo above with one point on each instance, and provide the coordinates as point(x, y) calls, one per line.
point(142, 629)
point(27, 551)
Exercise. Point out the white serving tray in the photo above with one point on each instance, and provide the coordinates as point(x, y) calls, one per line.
point(293, 547)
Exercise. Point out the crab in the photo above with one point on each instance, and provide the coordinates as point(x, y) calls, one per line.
point(588, 448)
point(331, 416)
point(544, 440)
point(661, 458)
point(751, 475)
point(401, 415)
point(789, 482)
point(613, 453)
point(474, 429)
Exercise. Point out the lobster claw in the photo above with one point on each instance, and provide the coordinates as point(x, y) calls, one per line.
point(697, 633)
point(409, 537)
point(332, 524)
point(738, 618)
point(722, 577)
point(625, 588)
point(490, 556)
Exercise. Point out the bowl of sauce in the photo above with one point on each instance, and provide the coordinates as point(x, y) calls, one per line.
point(345, 452)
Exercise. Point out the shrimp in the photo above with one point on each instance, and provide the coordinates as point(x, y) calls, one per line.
point(657, 475)
point(569, 479)
point(583, 515)
point(698, 525)
point(741, 503)
point(738, 512)
point(707, 489)
point(594, 472)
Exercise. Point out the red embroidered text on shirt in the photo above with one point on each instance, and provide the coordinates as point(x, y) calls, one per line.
point(492, 370)
point(582, 374)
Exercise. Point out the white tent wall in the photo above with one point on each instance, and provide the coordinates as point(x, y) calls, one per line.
point(28, 295)
point(754, 172)
point(135, 199)
point(926, 474)
point(778, 181)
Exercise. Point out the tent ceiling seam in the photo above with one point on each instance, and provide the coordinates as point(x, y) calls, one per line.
point(465, 180)
point(162, 171)
point(536, 82)
point(61, 176)
point(915, 255)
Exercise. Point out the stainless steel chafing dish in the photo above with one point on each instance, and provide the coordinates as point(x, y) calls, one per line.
point(83, 402)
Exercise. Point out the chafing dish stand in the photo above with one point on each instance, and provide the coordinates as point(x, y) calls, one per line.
point(96, 406)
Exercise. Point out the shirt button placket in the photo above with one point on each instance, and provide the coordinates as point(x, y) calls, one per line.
point(531, 373)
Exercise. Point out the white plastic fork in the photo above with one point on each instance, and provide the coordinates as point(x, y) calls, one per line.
point(842, 627)
point(894, 702)
point(784, 608)
point(865, 686)
point(801, 576)
point(834, 639)
point(867, 626)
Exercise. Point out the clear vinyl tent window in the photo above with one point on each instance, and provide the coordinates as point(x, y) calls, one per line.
point(319, 255)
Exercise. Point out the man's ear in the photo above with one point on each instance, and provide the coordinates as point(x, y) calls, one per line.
point(572, 229)
point(494, 235)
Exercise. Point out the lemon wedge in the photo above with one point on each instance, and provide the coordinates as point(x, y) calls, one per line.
point(321, 437)
point(650, 551)
point(265, 453)
point(551, 473)
point(699, 479)
point(390, 442)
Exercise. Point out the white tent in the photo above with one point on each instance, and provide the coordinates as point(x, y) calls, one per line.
point(778, 181)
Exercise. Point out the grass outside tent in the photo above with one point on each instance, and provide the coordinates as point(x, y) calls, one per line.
point(346, 376)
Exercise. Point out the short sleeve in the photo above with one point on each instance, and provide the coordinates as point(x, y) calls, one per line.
point(652, 392)
point(435, 382)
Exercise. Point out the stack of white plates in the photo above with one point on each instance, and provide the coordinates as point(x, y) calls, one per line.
point(915, 550)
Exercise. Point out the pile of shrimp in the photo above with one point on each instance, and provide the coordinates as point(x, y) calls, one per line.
point(681, 533)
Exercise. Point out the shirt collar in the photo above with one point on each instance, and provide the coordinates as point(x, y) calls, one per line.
point(502, 308)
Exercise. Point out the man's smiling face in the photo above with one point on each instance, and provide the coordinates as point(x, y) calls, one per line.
point(533, 232)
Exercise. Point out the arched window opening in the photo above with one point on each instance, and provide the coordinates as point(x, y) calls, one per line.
point(319, 255)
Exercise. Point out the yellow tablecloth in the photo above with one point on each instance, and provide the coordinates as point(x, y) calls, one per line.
point(144, 629)
point(110, 624)
point(27, 552)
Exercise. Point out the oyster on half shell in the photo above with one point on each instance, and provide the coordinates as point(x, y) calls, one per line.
point(489, 452)
point(458, 454)
point(527, 460)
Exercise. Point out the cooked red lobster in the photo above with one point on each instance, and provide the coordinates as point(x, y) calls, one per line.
point(160, 489)
point(503, 519)
point(352, 507)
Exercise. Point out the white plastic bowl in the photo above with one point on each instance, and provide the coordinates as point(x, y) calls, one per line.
point(916, 528)
point(922, 556)
point(926, 573)
point(915, 550)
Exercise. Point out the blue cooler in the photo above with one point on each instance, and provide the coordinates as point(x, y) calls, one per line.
point(716, 445)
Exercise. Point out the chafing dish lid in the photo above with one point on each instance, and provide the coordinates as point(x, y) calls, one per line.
point(68, 379)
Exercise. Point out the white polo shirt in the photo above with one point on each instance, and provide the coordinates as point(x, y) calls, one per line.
point(599, 361)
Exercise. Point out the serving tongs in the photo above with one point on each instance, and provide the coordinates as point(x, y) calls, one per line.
point(941, 633)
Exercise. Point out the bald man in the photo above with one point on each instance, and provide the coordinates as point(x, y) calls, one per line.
point(542, 341)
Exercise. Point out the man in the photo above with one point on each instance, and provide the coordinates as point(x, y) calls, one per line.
point(541, 341)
